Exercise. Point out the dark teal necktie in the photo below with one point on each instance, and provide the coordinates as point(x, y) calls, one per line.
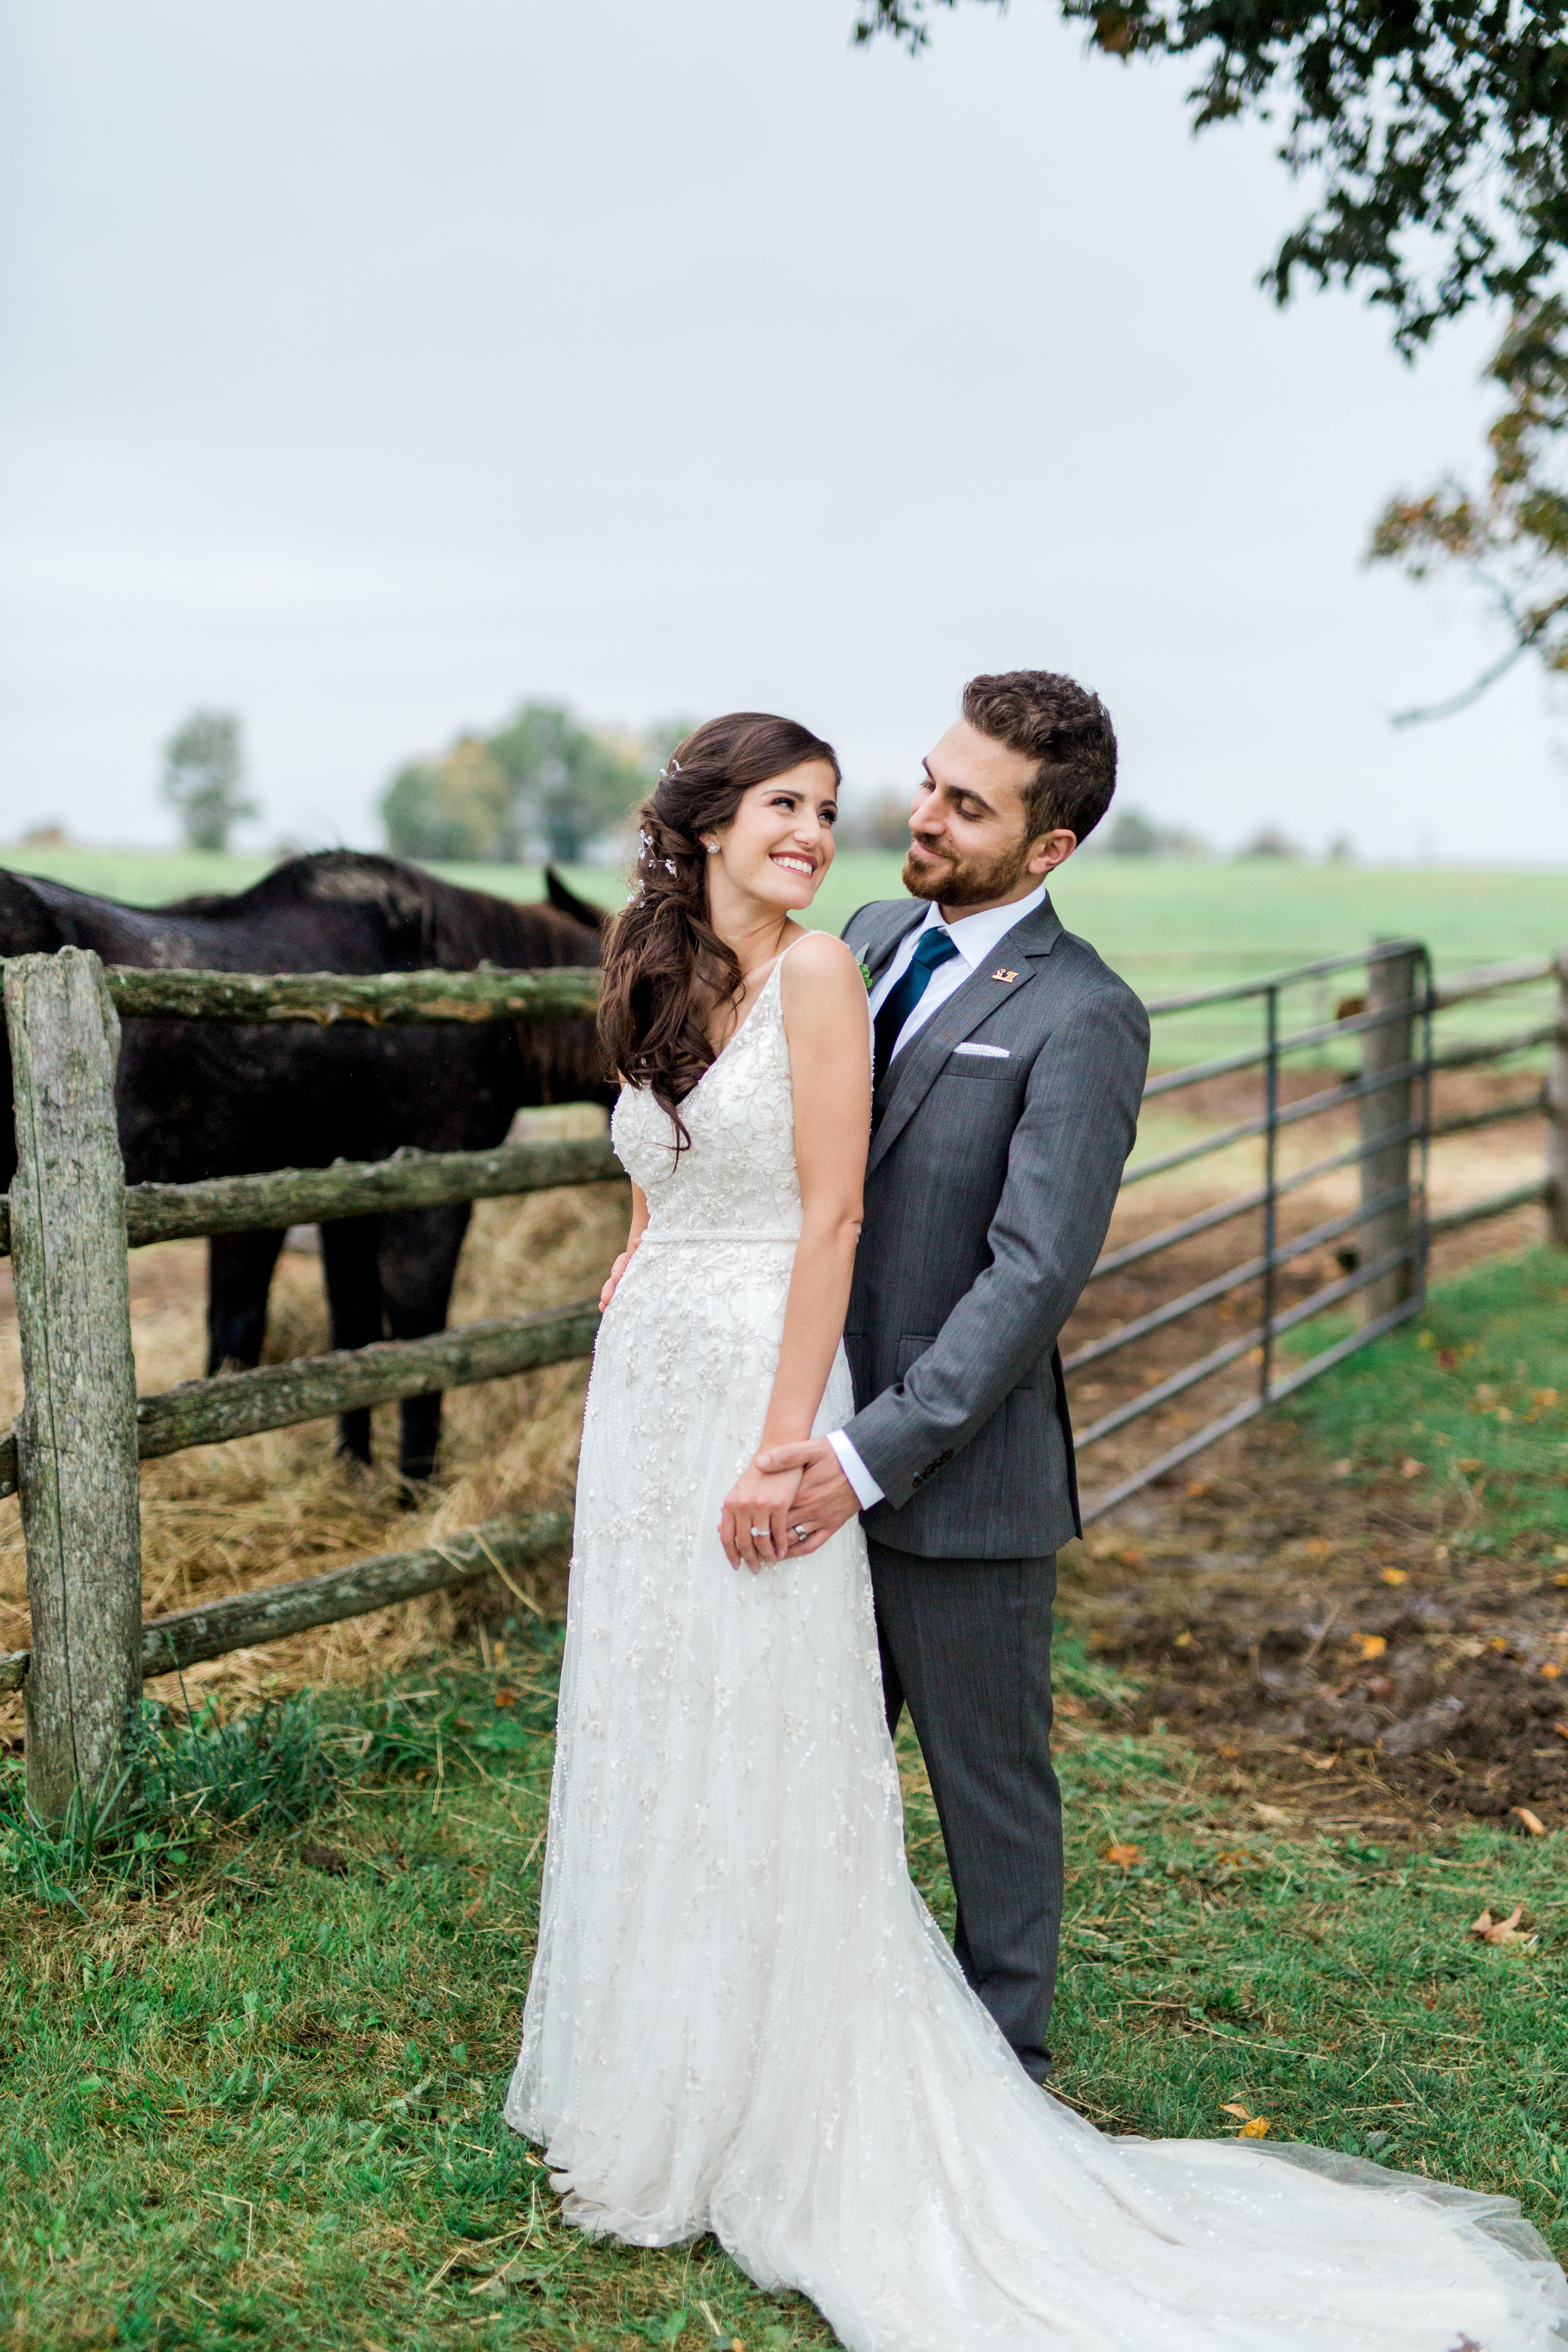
point(932, 948)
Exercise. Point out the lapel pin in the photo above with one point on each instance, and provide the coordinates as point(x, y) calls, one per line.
point(1002, 972)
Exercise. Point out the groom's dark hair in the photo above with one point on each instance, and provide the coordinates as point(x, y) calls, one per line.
point(1060, 724)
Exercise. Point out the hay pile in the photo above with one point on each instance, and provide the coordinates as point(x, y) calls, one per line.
point(223, 1518)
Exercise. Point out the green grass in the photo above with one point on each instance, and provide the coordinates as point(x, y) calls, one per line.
point(251, 2097)
point(1476, 1392)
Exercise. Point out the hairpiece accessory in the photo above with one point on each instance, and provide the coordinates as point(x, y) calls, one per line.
point(671, 866)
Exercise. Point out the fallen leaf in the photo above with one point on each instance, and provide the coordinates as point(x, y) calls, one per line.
point(1395, 1576)
point(1275, 1815)
point(1446, 1359)
point(1183, 1641)
point(1550, 1671)
point(1230, 1754)
point(1319, 1546)
point(1533, 1821)
point(1562, 1727)
point(1410, 1467)
point(1322, 1763)
point(1543, 1396)
point(1236, 1855)
point(1235, 2107)
point(1500, 1931)
point(1371, 1645)
point(1560, 1580)
point(1469, 1462)
point(1342, 1469)
point(1257, 2129)
point(1123, 1856)
point(1196, 1489)
point(505, 1695)
point(1497, 1642)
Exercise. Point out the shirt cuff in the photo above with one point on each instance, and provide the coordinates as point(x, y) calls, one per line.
point(867, 1490)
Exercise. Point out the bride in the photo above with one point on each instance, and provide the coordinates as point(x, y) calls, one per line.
point(741, 2017)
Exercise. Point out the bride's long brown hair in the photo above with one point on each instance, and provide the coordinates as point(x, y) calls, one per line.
point(665, 968)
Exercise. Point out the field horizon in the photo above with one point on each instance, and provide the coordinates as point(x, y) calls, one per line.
point(1166, 925)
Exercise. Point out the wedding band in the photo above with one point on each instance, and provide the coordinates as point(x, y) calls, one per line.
point(800, 1534)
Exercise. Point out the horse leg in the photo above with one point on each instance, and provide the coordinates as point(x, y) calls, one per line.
point(419, 1251)
point(239, 1275)
point(354, 1294)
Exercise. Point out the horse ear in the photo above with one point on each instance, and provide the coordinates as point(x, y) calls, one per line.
point(565, 901)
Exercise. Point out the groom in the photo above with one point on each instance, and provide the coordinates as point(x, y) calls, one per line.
point(1009, 1063)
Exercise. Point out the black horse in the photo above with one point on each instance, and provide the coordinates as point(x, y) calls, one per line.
point(198, 1098)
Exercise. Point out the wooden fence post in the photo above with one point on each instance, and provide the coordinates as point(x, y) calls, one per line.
point(1557, 1117)
point(77, 1436)
point(1385, 1117)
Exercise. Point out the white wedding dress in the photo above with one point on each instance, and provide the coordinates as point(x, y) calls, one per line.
point(742, 2018)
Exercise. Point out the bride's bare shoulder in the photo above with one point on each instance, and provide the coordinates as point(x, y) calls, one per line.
point(818, 957)
point(823, 996)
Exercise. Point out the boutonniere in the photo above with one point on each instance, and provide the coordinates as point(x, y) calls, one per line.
point(864, 968)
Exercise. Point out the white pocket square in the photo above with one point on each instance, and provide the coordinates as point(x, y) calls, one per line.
point(992, 1052)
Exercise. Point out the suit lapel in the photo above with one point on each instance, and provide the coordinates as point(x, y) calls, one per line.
point(913, 1073)
point(873, 937)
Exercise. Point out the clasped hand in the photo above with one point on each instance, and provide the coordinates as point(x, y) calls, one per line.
point(817, 1499)
point(754, 1519)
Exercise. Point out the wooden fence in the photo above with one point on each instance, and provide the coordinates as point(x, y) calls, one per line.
point(73, 1453)
point(70, 1218)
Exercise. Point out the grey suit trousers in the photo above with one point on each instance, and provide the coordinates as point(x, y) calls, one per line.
point(966, 1643)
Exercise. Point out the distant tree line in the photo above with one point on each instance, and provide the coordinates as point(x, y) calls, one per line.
point(546, 783)
point(1133, 833)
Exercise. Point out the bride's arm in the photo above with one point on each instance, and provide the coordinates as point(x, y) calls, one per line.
point(825, 1022)
point(635, 1233)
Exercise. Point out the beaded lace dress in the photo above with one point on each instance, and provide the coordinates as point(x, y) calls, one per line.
point(742, 2019)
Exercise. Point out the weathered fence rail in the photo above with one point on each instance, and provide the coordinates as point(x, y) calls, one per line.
point(243, 1620)
point(70, 1219)
point(353, 1188)
point(377, 1000)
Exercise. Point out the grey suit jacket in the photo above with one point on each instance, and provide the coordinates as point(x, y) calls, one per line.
point(988, 1192)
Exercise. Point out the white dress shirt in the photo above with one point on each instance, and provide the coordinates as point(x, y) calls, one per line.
point(977, 939)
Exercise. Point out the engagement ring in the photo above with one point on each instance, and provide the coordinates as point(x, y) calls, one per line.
point(758, 1533)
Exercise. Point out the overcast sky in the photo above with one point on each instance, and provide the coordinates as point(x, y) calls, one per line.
point(371, 364)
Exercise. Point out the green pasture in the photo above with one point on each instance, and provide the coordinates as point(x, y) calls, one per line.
point(253, 2085)
point(1477, 1395)
point(1167, 928)
point(253, 2056)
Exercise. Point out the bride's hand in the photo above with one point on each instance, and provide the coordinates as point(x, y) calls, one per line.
point(761, 1502)
point(613, 1283)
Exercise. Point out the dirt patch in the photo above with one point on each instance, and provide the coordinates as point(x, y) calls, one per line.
point(1321, 1638)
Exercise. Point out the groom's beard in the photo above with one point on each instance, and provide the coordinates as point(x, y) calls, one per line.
point(967, 881)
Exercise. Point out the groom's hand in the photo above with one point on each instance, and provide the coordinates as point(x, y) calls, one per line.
point(824, 1500)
